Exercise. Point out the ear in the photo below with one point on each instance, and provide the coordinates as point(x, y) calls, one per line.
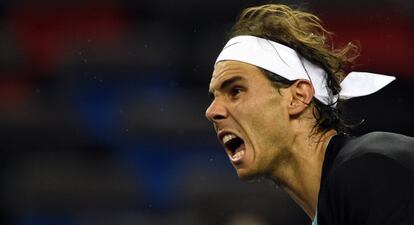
point(302, 93)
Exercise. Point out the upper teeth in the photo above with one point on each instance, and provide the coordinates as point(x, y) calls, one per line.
point(228, 137)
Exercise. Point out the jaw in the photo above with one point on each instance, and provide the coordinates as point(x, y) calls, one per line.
point(249, 172)
point(246, 167)
point(245, 174)
point(263, 162)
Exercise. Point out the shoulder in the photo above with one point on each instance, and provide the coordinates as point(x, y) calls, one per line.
point(371, 169)
point(372, 189)
point(370, 181)
point(380, 142)
point(369, 147)
point(377, 159)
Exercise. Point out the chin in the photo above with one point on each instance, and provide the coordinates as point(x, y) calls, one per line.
point(246, 175)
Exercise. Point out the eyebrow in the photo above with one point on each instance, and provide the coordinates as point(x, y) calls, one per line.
point(225, 84)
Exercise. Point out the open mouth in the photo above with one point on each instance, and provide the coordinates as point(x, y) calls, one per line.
point(234, 146)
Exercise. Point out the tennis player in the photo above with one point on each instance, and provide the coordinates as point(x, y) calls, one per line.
point(278, 89)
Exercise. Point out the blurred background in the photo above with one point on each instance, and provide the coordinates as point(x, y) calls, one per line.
point(102, 108)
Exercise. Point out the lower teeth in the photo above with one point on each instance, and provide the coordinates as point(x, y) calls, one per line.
point(238, 155)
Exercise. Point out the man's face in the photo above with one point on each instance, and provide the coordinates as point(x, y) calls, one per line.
point(250, 117)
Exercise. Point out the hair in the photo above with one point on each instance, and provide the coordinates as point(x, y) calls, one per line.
point(303, 32)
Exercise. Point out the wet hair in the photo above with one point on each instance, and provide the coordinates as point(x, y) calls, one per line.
point(303, 32)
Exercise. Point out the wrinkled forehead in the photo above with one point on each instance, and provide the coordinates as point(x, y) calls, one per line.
point(219, 72)
point(231, 71)
point(220, 69)
point(225, 69)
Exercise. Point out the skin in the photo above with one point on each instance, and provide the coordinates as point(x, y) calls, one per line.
point(276, 126)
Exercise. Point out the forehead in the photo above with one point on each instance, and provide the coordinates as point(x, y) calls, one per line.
point(227, 69)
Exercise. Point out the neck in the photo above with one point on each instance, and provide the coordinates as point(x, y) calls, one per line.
point(301, 176)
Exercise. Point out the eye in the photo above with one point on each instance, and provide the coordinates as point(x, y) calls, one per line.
point(236, 90)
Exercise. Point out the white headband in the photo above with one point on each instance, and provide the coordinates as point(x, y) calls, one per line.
point(287, 63)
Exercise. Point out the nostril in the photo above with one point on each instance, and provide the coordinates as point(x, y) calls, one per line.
point(218, 117)
point(215, 115)
point(212, 116)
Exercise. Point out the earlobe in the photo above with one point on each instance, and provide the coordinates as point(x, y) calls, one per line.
point(302, 94)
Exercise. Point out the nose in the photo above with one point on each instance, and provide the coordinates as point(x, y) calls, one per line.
point(216, 111)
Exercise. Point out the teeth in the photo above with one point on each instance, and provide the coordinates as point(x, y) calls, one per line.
point(237, 156)
point(228, 137)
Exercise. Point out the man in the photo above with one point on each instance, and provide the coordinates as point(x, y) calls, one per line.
point(277, 90)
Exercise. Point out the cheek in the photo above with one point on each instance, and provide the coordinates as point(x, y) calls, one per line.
point(270, 122)
point(261, 119)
